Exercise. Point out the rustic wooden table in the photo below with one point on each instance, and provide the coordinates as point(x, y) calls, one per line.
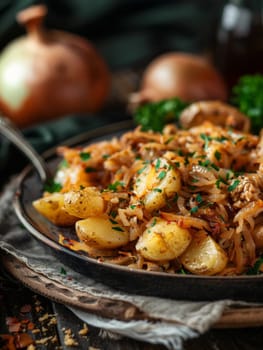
point(52, 326)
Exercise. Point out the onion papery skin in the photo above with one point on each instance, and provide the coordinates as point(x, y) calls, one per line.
point(187, 76)
point(48, 73)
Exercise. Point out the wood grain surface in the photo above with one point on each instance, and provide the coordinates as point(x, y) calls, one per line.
point(237, 317)
point(13, 296)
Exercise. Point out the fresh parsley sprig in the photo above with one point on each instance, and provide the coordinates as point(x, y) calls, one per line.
point(247, 96)
point(154, 115)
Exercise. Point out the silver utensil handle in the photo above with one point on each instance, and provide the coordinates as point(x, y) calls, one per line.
point(10, 131)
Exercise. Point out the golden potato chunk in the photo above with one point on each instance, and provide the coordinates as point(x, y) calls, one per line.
point(163, 240)
point(101, 232)
point(204, 256)
point(156, 182)
point(52, 208)
point(84, 203)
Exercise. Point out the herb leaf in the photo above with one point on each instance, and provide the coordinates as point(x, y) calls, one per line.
point(114, 186)
point(194, 209)
point(63, 164)
point(63, 271)
point(217, 154)
point(85, 155)
point(117, 228)
point(162, 175)
point(255, 270)
point(234, 185)
point(154, 115)
point(247, 95)
point(157, 190)
point(51, 186)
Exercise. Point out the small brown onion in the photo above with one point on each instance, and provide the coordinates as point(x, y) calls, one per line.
point(189, 77)
point(49, 73)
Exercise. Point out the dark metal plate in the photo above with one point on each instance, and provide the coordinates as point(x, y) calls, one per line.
point(187, 287)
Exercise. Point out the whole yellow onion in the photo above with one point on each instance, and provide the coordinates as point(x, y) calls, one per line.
point(50, 73)
point(187, 76)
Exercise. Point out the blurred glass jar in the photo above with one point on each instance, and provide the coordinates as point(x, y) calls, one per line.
point(239, 40)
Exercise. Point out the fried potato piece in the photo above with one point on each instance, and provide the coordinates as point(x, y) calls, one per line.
point(157, 182)
point(52, 208)
point(84, 203)
point(204, 256)
point(102, 233)
point(163, 240)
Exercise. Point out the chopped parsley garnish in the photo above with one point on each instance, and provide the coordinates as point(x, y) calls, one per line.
point(85, 156)
point(63, 271)
point(157, 190)
point(200, 204)
point(113, 221)
point(238, 173)
point(229, 174)
point(182, 271)
point(140, 171)
point(206, 138)
point(113, 213)
point(218, 155)
point(175, 199)
point(220, 139)
point(191, 154)
point(207, 163)
point(180, 152)
point(204, 163)
point(169, 140)
point(194, 209)
point(153, 222)
point(205, 205)
point(199, 198)
point(239, 139)
point(118, 228)
point(158, 164)
point(63, 164)
point(214, 166)
point(132, 206)
point(51, 186)
point(162, 175)
point(219, 181)
point(255, 270)
point(114, 186)
point(233, 185)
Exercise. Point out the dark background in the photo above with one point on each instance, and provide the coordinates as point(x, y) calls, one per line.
point(126, 32)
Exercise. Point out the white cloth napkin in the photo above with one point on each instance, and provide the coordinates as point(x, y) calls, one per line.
point(177, 320)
